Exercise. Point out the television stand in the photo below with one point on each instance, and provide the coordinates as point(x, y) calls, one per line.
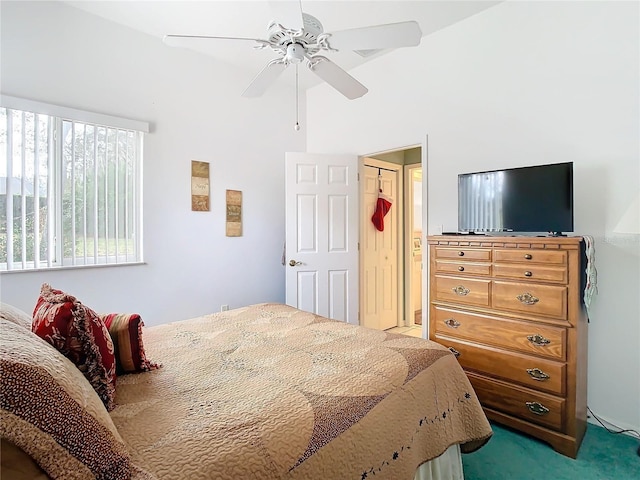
point(557, 234)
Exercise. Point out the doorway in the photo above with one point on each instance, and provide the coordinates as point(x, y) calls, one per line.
point(413, 243)
point(391, 257)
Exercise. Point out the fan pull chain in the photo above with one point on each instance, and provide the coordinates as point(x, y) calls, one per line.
point(297, 127)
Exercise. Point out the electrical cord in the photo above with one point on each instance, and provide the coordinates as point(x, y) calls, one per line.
point(618, 429)
point(602, 422)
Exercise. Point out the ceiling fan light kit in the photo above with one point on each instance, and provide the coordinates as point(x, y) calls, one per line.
point(295, 53)
point(295, 46)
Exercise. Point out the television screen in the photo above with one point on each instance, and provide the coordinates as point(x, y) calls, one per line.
point(527, 199)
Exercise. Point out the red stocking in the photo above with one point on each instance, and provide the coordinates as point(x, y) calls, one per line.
point(382, 207)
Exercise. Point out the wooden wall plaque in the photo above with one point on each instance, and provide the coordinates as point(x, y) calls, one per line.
point(234, 213)
point(199, 186)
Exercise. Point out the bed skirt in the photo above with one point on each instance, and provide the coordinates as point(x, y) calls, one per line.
point(447, 466)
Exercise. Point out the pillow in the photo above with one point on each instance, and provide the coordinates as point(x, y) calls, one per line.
point(49, 410)
point(125, 330)
point(15, 315)
point(79, 334)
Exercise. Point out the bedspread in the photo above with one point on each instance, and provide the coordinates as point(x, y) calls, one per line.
point(272, 392)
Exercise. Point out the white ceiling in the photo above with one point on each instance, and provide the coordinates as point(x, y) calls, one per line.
point(249, 19)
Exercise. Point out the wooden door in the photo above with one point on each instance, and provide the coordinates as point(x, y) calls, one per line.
point(379, 249)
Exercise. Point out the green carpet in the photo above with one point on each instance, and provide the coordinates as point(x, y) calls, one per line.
point(515, 456)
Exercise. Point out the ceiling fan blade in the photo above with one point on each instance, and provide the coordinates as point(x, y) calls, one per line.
point(392, 35)
point(188, 40)
point(265, 78)
point(337, 77)
point(288, 14)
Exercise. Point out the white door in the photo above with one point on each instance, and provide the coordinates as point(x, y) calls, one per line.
point(380, 250)
point(321, 216)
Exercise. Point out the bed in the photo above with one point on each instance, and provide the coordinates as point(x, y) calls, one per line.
point(271, 392)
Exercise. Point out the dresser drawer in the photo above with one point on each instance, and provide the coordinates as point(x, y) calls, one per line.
point(462, 290)
point(547, 300)
point(531, 272)
point(527, 370)
point(547, 257)
point(467, 268)
point(546, 341)
point(461, 253)
point(519, 402)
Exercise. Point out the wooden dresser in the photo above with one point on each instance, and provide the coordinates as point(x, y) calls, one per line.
point(511, 310)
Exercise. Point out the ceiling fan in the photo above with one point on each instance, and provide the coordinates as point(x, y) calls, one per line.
point(298, 38)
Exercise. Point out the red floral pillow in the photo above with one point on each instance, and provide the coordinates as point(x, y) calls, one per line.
point(126, 332)
point(78, 333)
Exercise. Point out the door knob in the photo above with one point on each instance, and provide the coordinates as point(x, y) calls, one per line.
point(293, 263)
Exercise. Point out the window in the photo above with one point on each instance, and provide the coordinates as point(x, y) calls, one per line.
point(70, 187)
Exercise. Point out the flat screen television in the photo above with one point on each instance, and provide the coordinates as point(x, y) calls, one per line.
point(527, 199)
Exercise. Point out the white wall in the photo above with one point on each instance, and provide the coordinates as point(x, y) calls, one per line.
point(57, 54)
point(522, 83)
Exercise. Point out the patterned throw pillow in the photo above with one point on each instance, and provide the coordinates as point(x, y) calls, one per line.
point(126, 332)
point(79, 334)
point(49, 411)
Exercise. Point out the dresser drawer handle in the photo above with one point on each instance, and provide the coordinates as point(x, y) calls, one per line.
point(537, 408)
point(528, 274)
point(538, 374)
point(528, 299)
point(461, 254)
point(528, 256)
point(538, 340)
point(460, 290)
point(454, 351)
point(452, 323)
point(461, 269)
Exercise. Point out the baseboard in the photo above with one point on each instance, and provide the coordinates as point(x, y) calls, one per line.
point(612, 424)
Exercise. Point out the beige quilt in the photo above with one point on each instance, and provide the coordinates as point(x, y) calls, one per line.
point(271, 392)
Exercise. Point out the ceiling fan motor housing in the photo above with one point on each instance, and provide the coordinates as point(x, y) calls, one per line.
point(281, 36)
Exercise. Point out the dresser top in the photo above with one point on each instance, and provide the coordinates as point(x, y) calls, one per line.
point(515, 241)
